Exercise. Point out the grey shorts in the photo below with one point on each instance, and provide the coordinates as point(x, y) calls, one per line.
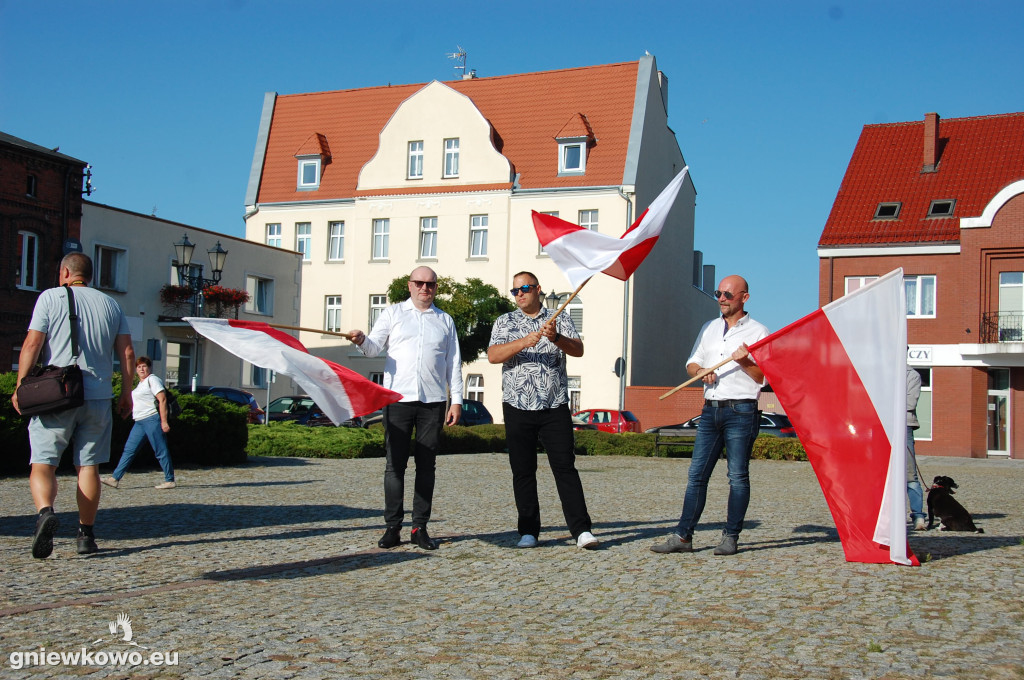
point(87, 428)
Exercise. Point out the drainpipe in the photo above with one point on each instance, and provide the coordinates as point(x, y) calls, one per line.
point(625, 314)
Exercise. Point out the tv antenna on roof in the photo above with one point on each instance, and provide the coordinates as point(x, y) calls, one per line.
point(460, 57)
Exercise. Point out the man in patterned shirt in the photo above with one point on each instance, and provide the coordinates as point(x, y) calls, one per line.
point(535, 403)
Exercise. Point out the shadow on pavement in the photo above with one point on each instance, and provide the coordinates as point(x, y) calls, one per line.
point(940, 545)
point(324, 565)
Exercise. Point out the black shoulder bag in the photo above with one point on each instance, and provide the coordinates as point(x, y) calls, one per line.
point(49, 389)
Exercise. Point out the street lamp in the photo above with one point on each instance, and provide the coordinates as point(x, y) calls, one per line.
point(553, 299)
point(195, 282)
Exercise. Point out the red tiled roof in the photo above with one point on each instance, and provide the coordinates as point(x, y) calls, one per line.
point(576, 126)
point(315, 145)
point(526, 111)
point(978, 157)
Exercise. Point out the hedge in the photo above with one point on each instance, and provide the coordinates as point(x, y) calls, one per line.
point(209, 431)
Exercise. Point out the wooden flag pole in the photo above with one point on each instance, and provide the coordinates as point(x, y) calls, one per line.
point(696, 378)
point(310, 330)
point(566, 303)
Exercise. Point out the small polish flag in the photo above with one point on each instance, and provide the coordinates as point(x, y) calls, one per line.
point(840, 374)
point(340, 392)
point(580, 253)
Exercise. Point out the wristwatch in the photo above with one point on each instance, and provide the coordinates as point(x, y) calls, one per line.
point(558, 336)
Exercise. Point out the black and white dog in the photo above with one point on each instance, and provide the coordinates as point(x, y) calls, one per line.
point(952, 516)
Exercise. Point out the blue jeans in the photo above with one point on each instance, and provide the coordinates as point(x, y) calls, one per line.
point(147, 428)
point(734, 427)
point(914, 492)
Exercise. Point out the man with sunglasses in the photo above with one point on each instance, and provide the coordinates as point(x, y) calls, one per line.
point(423, 363)
point(535, 402)
point(730, 417)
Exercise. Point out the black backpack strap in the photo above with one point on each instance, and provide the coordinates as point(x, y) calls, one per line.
point(73, 321)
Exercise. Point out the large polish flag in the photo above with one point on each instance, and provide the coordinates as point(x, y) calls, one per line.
point(840, 374)
point(580, 253)
point(340, 392)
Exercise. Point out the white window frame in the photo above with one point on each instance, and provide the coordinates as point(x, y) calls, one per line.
point(304, 239)
point(415, 166)
point(478, 235)
point(475, 387)
point(378, 303)
point(105, 279)
point(377, 377)
point(914, 287)
point(274, 234)
point(451, 157)
point(261, 295)
point(852, 283)
point(302, 184)
point(575, 311)
point(588, 219)
point(575, 385)
point(332, 313)
point(428, 238)
point(381, 239)
point(564, 147)
point(336, 241)
point(256, 376)
point(28, 262)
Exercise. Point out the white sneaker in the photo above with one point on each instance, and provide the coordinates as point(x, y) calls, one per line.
point(586, 541)
point(527, 541)
point(165, 485)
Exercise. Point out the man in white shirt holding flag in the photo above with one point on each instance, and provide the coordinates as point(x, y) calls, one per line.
point(423, 363)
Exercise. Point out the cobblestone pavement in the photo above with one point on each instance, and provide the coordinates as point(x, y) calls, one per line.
point(271, 570)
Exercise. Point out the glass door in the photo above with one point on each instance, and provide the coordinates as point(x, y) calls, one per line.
point(998, 411)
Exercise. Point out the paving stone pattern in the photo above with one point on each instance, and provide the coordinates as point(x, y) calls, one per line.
point(271, 570)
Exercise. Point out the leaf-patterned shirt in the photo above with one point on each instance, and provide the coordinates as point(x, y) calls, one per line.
point(535, 378)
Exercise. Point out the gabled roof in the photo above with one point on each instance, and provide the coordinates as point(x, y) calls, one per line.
point(526, 112)
point(315, 145)
point(976, 158)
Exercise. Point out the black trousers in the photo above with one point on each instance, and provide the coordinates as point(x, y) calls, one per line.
point(400, 419)
point(553, 428)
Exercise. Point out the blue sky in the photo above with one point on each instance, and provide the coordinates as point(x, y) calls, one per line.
point(767, 99)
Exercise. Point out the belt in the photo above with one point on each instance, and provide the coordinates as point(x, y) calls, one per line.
point(726, 403)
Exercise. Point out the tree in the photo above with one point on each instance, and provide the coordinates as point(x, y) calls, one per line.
point(473, 305)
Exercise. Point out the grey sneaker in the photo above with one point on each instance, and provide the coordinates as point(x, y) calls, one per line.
point(110, 481)
point(527, 541)
point(727, 546)
point(673, 544)
point(919, 524)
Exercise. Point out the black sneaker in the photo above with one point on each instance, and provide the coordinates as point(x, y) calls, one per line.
point(421, 538)
point(42, 542)
point(392, 537)
point(86, 544)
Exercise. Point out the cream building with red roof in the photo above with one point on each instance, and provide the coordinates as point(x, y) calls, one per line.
point(370, 183)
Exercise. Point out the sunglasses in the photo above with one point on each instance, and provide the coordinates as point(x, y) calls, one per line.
point(420, 284)
point(524, 289)
point(726, 294)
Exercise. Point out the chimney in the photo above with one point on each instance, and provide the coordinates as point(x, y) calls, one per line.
point(931, 142)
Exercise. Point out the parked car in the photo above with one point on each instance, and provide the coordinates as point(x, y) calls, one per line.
point(304, 411)
point(232, 394)
point(772, 424)
point(609, 420)
point(473, 413)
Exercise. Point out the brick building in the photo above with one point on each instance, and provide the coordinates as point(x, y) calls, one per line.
point(40, 221)
point(945, 201)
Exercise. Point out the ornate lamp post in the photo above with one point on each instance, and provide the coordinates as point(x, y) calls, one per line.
point(183, 252)
point(553, 299)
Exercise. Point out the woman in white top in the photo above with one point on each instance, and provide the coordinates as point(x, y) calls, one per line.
point(149, 409)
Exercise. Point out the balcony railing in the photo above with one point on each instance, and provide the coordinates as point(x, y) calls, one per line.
point(1002, 327)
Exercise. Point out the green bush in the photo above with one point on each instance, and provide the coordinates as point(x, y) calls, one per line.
point(290, 439)
point(777, 448)
point(209, 431)
point(597, 443)
point(475, 439)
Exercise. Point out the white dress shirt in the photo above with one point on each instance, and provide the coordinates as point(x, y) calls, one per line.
point(423, 357)
point(716, 341)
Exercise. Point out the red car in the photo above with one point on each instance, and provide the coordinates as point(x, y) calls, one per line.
point(607, 420)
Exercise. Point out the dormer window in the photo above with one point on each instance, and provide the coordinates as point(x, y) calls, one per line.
point(572, 157)
point(312, 156)
point(309, 174)
point(943, 208)
point(888, 211)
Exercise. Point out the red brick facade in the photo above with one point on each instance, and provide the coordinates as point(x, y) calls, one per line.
point(40, 195)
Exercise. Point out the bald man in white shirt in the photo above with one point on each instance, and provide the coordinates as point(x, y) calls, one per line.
point(423, 364)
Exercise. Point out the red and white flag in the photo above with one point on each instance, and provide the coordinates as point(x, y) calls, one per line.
point(840, 374)
point(580, 253)
point(340, 392)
